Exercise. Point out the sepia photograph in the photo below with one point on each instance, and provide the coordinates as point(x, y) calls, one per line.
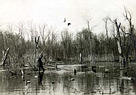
point(67, 47)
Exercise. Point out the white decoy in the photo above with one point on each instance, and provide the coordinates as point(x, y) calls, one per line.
point(36, 76)
point(126, 78)
point(27, 82)
point(72, 79)
point(106, 71)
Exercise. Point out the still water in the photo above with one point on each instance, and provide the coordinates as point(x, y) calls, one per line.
point(65, 83)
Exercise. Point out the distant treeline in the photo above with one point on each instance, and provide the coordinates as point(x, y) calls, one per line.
point(67, 47)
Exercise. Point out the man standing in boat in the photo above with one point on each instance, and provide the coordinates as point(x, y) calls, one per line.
point(40, 63)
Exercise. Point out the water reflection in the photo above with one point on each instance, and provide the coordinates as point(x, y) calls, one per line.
point(54, 83)
point(40, 78)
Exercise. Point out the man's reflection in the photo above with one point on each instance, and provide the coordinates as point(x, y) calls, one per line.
point(40, 78)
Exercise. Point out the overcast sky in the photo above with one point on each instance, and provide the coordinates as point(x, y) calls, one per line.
point(53, 12)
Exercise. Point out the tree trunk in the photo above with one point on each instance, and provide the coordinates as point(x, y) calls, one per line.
point(5, 57)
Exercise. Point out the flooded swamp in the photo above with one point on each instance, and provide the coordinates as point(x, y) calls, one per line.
point(65, 81)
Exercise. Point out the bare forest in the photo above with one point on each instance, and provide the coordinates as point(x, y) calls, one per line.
point(45, 50)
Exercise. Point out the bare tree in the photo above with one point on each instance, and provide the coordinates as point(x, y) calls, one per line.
point(5, 54)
